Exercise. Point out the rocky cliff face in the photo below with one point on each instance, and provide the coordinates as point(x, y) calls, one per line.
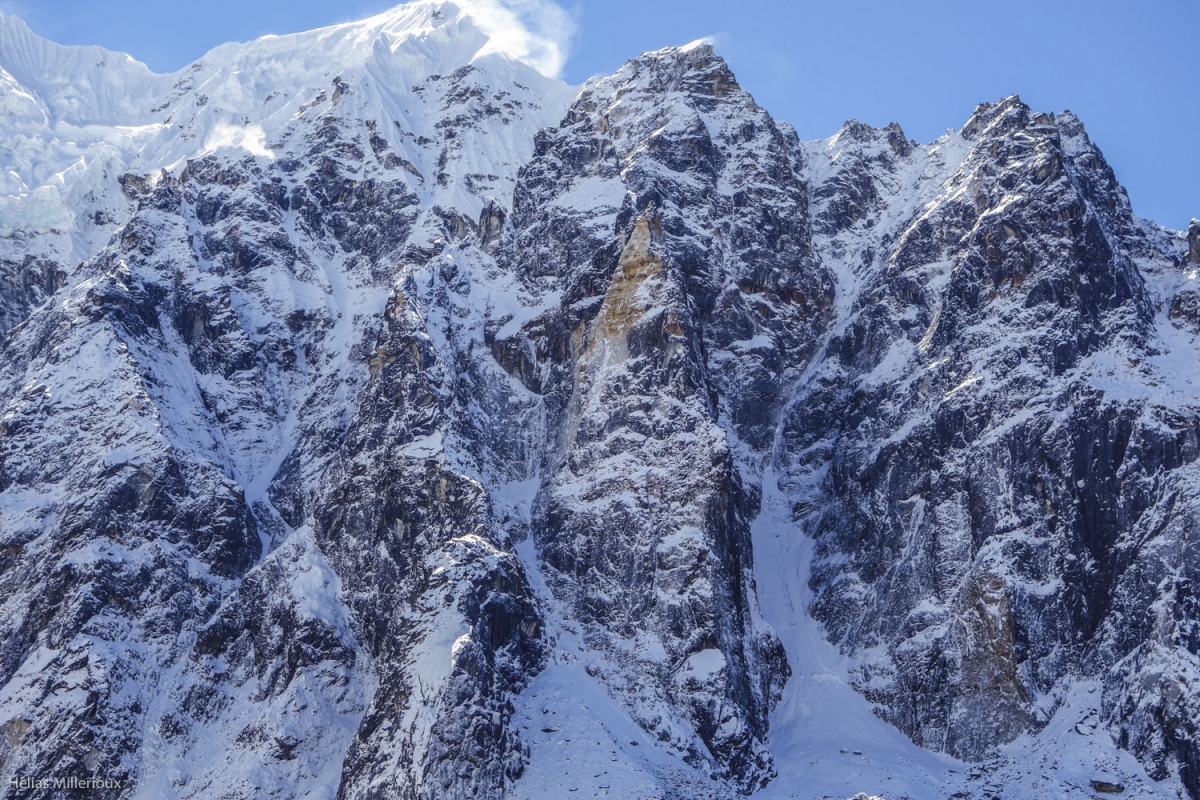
point(995, 440)
point(369, 426)
point(681, 287)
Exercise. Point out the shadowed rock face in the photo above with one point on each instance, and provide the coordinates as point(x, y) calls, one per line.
point(986, 502)
point(173, 421)
point(425, 567)
point(310, 471)
point(695, 241)
point(24, 286)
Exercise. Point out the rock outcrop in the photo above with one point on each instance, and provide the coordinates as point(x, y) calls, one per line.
point(374, 387)
point(992, 448)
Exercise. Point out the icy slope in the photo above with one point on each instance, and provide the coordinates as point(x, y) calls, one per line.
point(86, 129)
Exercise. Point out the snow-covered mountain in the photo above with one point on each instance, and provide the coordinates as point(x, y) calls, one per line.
point(382, 418)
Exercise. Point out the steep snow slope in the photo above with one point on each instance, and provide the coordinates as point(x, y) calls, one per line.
point(83, 123)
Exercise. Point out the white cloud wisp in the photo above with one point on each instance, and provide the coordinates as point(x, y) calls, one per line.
point(536, 32)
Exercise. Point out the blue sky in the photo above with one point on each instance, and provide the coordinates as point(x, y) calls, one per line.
point(1130, 70)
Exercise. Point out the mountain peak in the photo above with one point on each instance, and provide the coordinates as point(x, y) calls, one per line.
point(79, 84)
point(693, 69)
point(534, 33)
point(1009, 111)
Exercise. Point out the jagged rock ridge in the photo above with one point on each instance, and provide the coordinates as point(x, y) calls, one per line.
point(397, 391)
